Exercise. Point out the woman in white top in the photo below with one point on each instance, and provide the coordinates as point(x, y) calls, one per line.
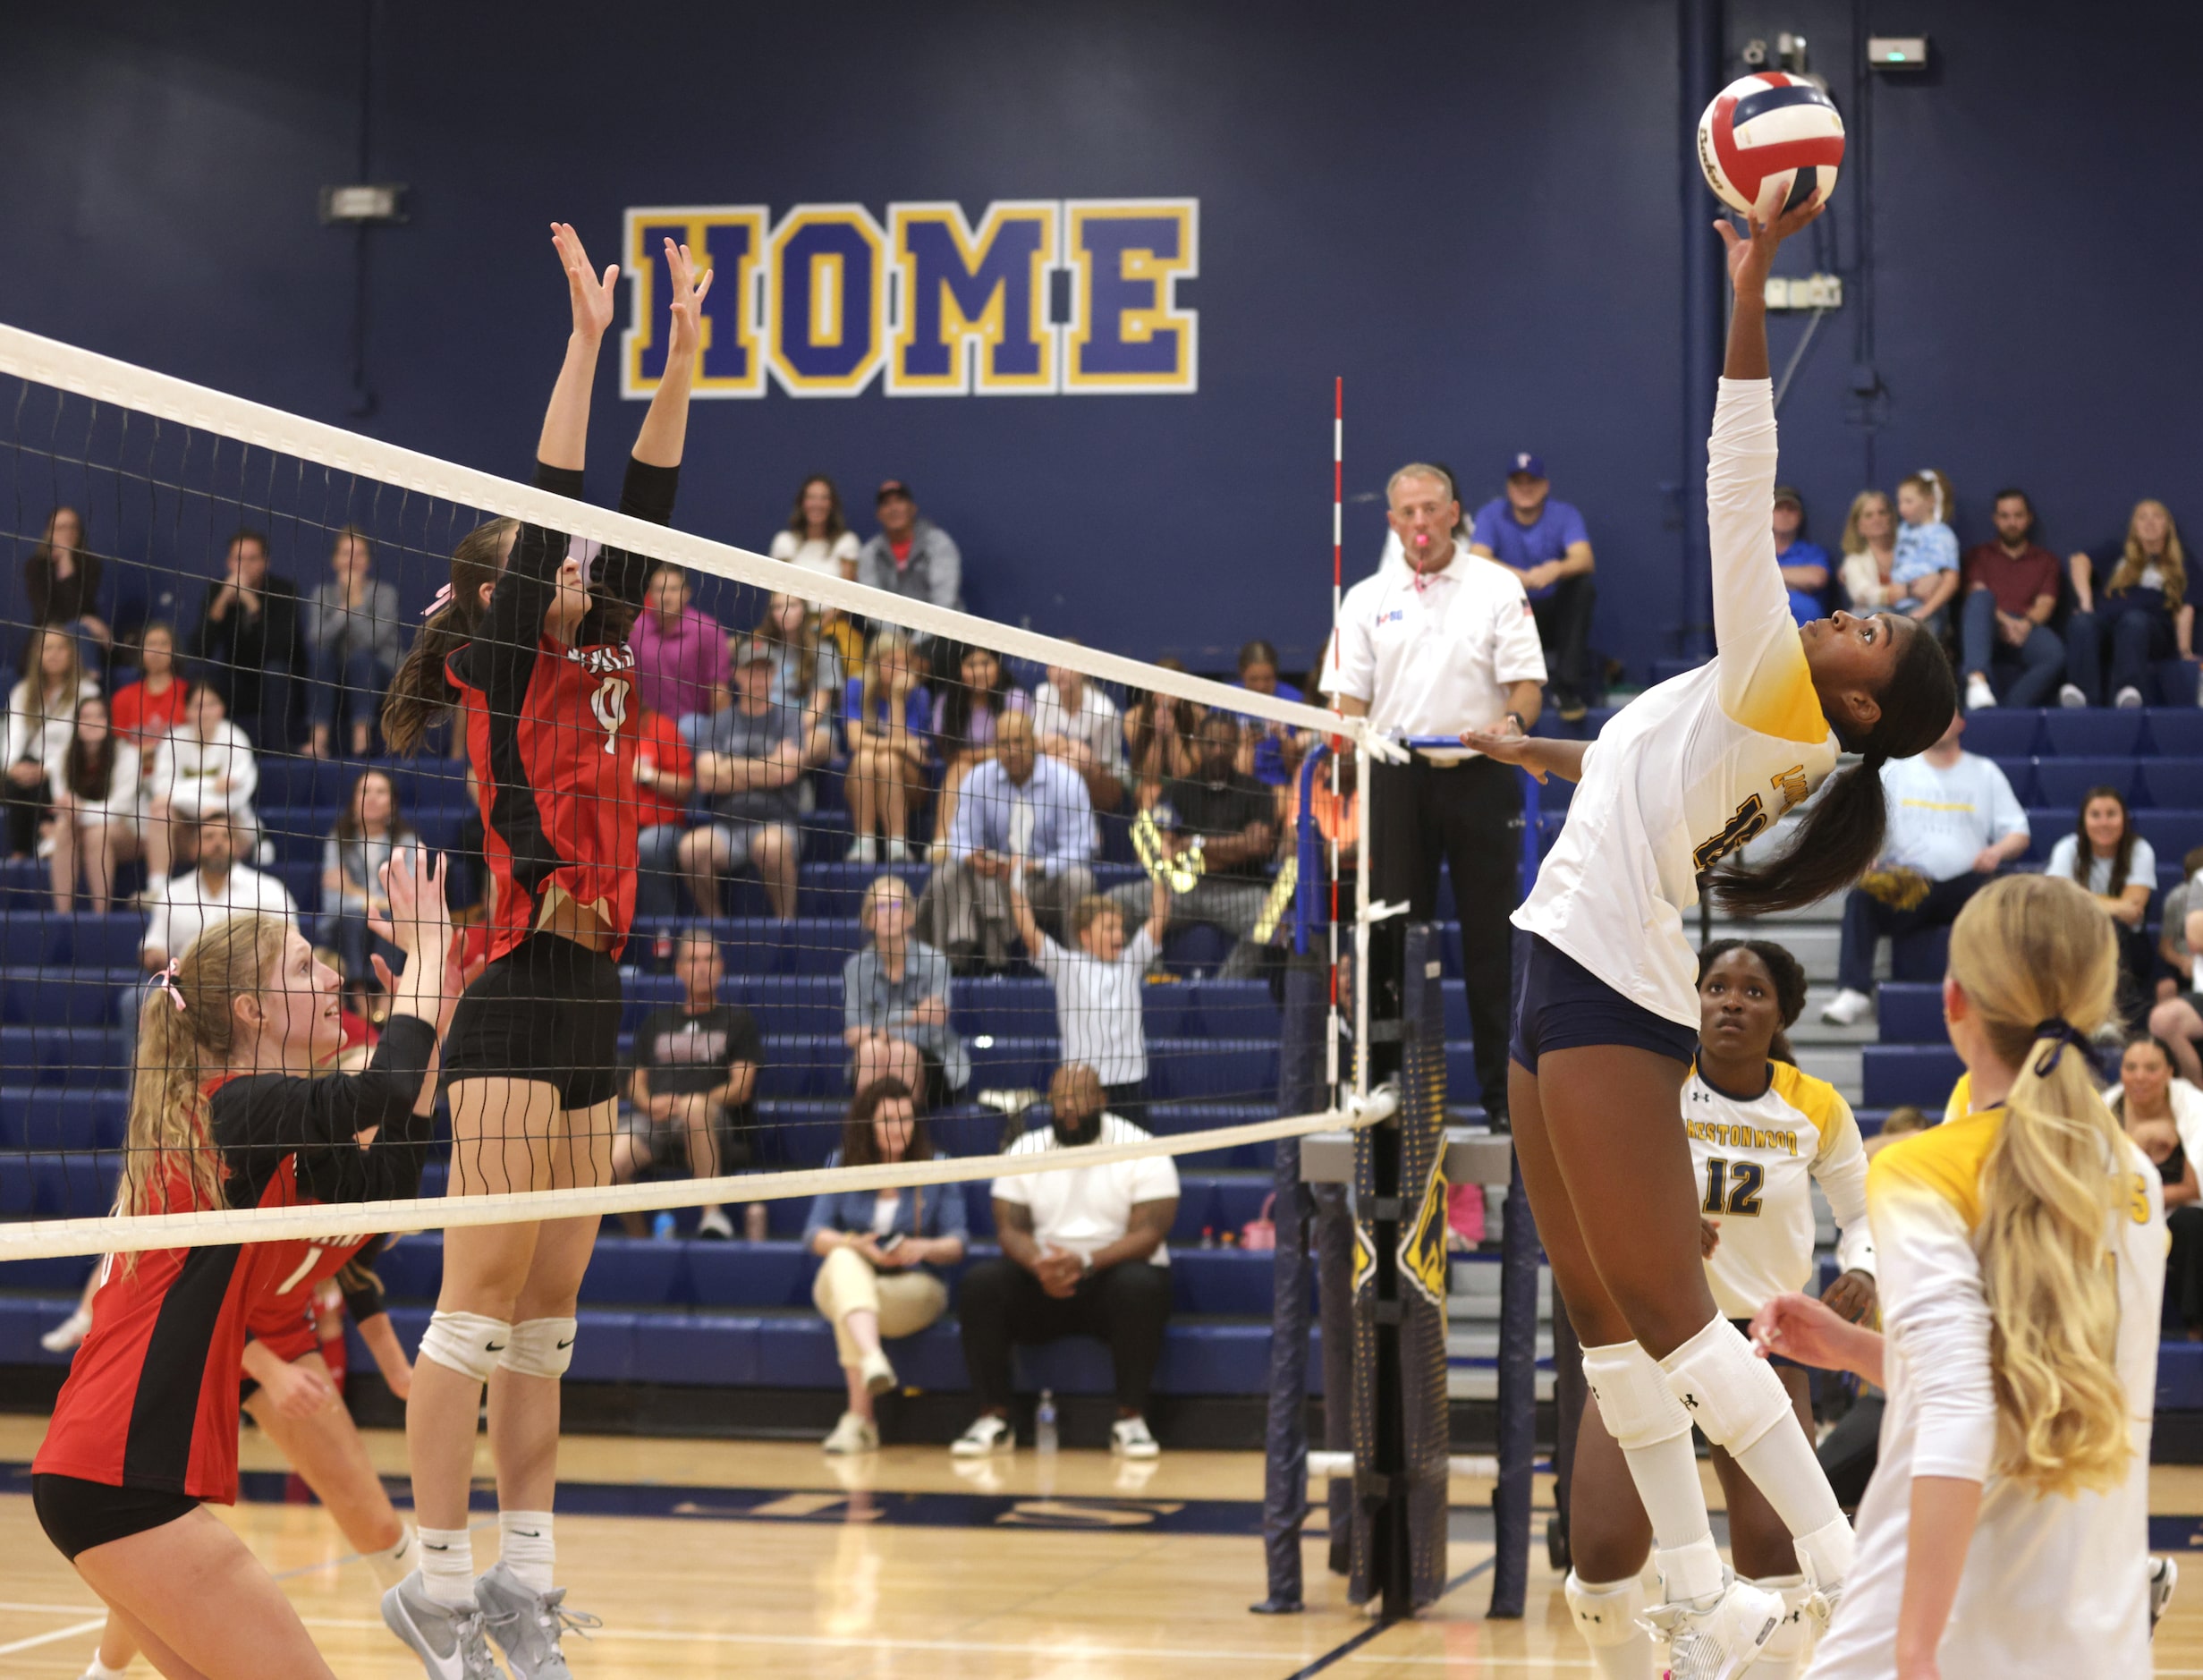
point(204, 768)
point(41, 713)
point(96, 800)
point(2021, 1253)
point(1762, 1134)
point(1871, 553)
point(818, 539)
point(1607, 1019)
point(2119, 868)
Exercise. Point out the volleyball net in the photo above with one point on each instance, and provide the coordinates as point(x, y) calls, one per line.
point(879, 839)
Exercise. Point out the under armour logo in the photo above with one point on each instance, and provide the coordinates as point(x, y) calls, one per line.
point(1692, 1401)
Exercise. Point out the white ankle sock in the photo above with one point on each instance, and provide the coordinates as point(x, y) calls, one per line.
point(525, 1546)
point(447, 1565)
point(396, 1561)
point(98, 1670)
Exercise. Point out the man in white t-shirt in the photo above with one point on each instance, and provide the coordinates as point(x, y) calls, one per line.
point(1953, 822)
point(1444, 642)
point(179, 909)
point(1074, 721)
point(1082, 1254)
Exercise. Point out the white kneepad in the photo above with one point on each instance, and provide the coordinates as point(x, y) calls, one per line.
point(540, 1348)
point(1635, 1402)
point(1728, 1392)
point(1606, 1613)
point(469, 1342)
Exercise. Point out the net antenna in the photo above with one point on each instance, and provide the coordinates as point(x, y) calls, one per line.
point(174, 467)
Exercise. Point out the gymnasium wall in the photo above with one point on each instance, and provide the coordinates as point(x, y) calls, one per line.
point(1477, 214)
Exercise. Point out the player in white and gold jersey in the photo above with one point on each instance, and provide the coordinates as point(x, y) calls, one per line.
point(2021, 1252)
point(1761, 1132)
point(1606, 1019)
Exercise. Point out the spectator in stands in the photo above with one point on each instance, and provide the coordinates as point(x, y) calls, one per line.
point(1074, 721)
point(1953, 822)
point(146, 710)
point(1544, 543)
point(354, 643)
point(2178, 1016)
point(2011, 588)
point(41, 716)
point(896, 988)
point(664, 778)
point(1099, 1015)
point(681, 652)
point(1870, 553)
point(1337, 816)
point(204, 768)
point(1926, 568)
point(807, 671)
point(1220, 828)
point(2119, 868)
point(1082, 1254)
point(2132, 600)
point(181, 909)
point(97, 801)
point(966, 711)
point(1159, 738)
point(1804, 564)
point(1268, 752)
point(61, 580)
point(881, 1055)
point(818, 537)
point(911, 555)
point(749, 760)
point(888, 712)
point(2164, 1115)
point(249, 643)
point(693, 1101)
point(882, 1252)
point(369, 829)
point(1021, 815)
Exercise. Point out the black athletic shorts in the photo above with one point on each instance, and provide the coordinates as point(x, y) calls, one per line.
point(1564, 1007)
point(548, 1010)
point(78, 1514)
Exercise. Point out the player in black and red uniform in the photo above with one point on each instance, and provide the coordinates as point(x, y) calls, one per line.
point(293, 1394)
point(224, 1113)
point(531, 648)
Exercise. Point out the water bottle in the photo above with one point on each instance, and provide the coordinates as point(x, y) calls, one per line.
point(662, 1226)
point(1044, 1424)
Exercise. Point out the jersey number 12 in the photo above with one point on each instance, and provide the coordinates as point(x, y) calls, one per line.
point(1734, 1187)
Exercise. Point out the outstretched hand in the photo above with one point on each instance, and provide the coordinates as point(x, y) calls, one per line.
point(1751, 258)
point(592, 298)
point(690, 285)
point(1504, 744)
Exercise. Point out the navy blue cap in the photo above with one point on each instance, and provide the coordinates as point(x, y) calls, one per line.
point(1535, 465)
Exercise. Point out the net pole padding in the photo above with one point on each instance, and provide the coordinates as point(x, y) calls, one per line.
point(99, 378)
point(211, 1227)
point(1285, 1454)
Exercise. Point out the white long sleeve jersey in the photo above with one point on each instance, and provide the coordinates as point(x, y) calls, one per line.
point(1699, 765)
point(2052, 1586)
point(1756, 1161)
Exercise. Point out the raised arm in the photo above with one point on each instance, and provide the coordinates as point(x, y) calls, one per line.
point(665, 427)
point(565, 440)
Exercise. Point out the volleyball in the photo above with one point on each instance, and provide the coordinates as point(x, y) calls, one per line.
point(1772, 142)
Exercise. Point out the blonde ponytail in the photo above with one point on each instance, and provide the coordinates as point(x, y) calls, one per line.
point(186, 1028)
point(2038, 963)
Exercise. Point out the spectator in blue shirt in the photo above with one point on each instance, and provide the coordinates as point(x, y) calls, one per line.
point(1926, 569)
point(1019, 814)
point(1804, 564)
point(1544, 544)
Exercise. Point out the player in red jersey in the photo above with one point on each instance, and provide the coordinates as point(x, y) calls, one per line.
point(225, 1112)
point(531, 648)
point(293, 1394)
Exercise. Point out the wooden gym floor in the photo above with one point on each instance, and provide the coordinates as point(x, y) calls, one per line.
point(711, 1559)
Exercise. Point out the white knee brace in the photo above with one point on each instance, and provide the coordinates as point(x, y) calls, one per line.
point(469, 1342)
point(540, 1348)
point(1733, 1396)
point(1634, 1399)
point(1606, 1612)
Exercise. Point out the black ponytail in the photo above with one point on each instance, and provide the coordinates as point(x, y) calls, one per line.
point(420, 693)
point(1840, 835)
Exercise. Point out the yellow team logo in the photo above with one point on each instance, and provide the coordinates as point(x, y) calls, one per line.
point(1365, 1258)
point(1422, 1249)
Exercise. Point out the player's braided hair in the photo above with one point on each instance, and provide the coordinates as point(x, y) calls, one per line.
point(420, 694)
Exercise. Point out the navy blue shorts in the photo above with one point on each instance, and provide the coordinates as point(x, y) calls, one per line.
point(1564, 1007)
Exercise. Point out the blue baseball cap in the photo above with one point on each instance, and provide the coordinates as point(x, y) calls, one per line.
point(1534, 465)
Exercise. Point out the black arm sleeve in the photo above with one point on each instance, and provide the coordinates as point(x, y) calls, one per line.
point(648, 493)
point(502, 655)
point(259, 1121)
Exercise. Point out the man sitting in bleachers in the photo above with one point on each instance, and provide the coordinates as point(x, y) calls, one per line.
point(1218, 830)
point(1953, 822)
point(1082, 1254)
point(749, 763)
point(178, 910)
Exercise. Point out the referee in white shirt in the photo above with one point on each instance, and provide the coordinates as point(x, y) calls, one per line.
point(1429, 648)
